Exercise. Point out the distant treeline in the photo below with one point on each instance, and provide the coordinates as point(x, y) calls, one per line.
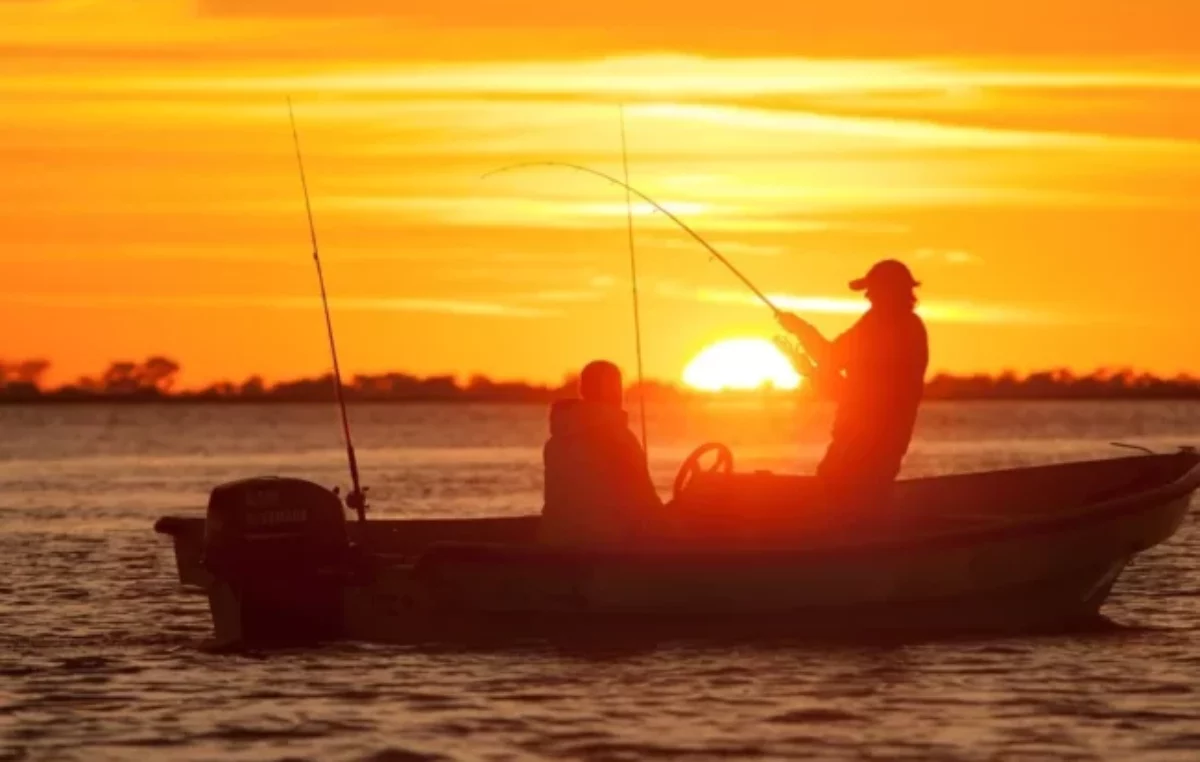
point(154, 380)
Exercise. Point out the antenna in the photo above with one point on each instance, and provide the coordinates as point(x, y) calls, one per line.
point(356, 498)
point(637, 320)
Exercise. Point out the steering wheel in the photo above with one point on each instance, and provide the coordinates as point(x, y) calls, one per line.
point(691, 466)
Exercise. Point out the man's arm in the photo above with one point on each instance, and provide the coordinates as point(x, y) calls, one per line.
point(828, 356)
point(820, 349)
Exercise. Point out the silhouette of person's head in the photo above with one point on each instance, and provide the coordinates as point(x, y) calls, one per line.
point(600, 382)
point(889, 283)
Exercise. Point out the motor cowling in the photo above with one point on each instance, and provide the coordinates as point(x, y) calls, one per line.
point(279, 549)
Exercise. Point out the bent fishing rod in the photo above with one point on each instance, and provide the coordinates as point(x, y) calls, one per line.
point(630, 189)
point(802, 365)
point(356, 498)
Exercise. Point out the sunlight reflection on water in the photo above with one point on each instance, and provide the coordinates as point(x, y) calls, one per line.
point(98, 657)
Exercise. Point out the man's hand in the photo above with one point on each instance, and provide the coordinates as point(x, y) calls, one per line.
point(815, 345)
point(794, 324)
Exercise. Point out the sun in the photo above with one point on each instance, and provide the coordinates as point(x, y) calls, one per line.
point(740, 364)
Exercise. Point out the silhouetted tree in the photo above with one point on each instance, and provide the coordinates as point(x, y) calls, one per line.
point(27, 372)
point(252, 387)
point(120, 378)
point(439, 387)
point(480, 385)
point(88, 384)
point(158, 373)
point(221, 389)
point(155, 376)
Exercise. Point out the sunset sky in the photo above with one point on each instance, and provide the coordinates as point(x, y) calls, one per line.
point(1036, 163)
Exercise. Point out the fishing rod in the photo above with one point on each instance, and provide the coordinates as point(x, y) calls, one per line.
point(797, 358)
point(630, 189)
point(356, 498)
point(637, 321)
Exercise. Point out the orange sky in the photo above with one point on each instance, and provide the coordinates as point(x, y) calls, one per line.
point(1037, 165)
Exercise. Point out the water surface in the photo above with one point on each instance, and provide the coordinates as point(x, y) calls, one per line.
point(98, 656)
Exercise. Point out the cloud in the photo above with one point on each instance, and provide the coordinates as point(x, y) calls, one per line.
point(594, 289)
point(950, 26)
point(732, 248)
point(564, 296)
point(949, 256)
point(678, 77)
point(218, 301)
point(883, 130)
point(933, 311)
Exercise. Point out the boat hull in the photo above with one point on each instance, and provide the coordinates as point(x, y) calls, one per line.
point(378, 614)
point(442, 579)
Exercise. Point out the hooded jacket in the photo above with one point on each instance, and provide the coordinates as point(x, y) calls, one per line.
point(598, 491)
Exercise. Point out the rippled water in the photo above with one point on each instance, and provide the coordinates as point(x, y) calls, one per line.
point(98, 655)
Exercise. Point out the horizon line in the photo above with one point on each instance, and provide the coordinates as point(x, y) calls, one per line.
point(160, 372)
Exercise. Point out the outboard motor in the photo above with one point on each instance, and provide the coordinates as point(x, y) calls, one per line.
point(280, 557)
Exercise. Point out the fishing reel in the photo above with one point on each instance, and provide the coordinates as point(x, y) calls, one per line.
point(823, 381)
point(355, 500)
point(800, 362)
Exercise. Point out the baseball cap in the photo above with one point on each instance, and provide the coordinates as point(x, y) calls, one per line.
point(888, 273)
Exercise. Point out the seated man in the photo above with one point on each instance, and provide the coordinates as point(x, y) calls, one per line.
point(598, 491)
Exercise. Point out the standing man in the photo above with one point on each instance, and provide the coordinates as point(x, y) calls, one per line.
point(875, 372)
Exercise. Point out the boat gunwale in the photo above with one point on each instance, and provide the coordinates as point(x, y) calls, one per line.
point(1117, 506)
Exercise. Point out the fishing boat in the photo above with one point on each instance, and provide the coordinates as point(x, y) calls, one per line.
point(750, 553)
point(1015, 550)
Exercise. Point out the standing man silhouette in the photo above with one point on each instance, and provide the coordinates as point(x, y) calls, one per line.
point(875, 372)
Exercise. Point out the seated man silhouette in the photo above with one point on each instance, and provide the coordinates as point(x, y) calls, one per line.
point(598, 492)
